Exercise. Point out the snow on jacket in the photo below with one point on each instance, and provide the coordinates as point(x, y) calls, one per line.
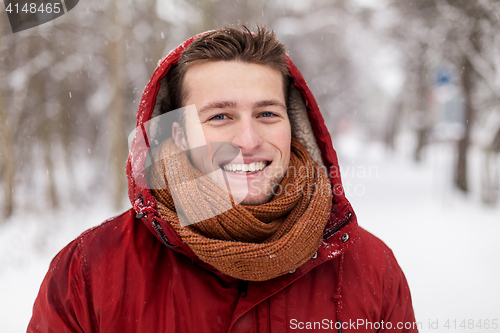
point(134, 274)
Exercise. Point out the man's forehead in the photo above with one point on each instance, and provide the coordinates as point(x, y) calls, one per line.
point(213, 71)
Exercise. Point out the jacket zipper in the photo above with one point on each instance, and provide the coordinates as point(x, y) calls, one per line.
point(337, 228)
point(162, 235)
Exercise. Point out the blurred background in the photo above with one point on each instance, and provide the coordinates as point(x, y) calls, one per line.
point(410, 91)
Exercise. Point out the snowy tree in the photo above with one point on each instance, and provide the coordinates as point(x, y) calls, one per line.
point(459, 32)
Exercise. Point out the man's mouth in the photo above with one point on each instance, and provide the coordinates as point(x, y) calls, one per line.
point(245, 168)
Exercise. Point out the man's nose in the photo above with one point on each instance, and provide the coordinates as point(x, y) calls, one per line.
point(247, 135)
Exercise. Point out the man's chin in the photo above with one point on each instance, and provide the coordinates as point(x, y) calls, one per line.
point(252, 193)
point(254, 200)
point(261, 194)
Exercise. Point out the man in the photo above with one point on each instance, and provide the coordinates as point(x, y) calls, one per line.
point(239, 221)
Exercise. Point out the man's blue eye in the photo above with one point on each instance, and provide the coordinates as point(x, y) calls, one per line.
point(267, 114)
point(218, 117)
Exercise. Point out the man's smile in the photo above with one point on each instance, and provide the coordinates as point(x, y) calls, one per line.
point(245, 168)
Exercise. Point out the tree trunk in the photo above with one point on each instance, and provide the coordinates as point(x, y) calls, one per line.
point(7, 166)
point(393, 124)
point(423, 106)
point(8, 159)
point(490, 189)
point(463, 143)
point(49, 164)
point(66, 137)
point(467, 83)
point(39, 91)
point(118, 153)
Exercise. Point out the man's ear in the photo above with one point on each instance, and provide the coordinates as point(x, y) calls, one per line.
point(179, 136)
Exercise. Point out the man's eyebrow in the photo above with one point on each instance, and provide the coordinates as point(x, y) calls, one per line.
point(217, 105)
point(270, 102)
point(232, 104)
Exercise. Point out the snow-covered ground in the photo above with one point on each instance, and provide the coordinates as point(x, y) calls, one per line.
point(445, 242)
point(28, 242)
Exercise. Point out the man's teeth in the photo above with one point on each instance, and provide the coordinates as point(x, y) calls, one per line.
point(252, 167)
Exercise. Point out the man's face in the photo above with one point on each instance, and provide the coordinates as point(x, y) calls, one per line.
point(242, 104)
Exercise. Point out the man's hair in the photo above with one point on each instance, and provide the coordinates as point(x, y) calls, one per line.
point(230, 43)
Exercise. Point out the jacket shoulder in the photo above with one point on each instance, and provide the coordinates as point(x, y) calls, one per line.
point(371, 261)
point(109, 227)
point(115, 241)
point(370, 256)
point(371, 248)
point(65, 299)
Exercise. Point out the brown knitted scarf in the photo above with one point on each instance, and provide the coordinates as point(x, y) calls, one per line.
point(250, 242)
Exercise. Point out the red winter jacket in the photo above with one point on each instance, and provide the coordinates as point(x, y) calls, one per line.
point(134, 274)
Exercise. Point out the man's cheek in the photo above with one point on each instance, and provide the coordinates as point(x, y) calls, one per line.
point(279, 171)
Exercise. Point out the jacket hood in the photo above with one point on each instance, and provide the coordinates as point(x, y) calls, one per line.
point(307, 125)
